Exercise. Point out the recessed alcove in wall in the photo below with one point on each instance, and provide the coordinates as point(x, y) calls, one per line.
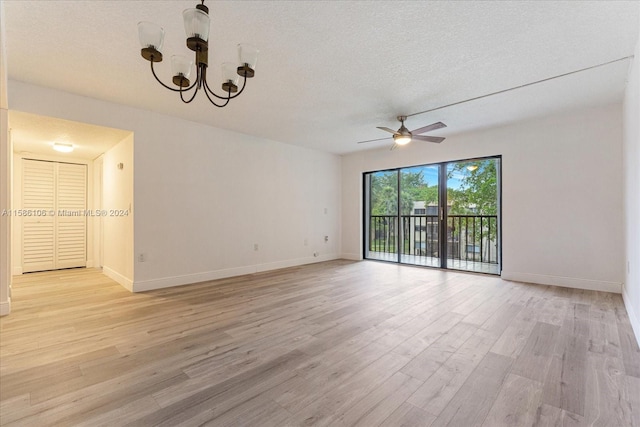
point(106, 156)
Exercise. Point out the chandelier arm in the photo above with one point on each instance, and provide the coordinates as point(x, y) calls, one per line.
point(195, 92)
point(170, 88)
point(208, 89)
point(190, 99)
point(244, 83)
point(206, 92)
point(201, 73)
point(229, 96)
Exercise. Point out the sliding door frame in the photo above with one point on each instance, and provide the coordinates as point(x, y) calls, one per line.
point(442, 210)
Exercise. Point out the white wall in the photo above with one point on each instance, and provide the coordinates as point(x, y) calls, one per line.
point(204, 196)
point(5, 178)
point(214, 194)
point(117, 196)
point(631, 154)
point(561, 194)
point(6, 220)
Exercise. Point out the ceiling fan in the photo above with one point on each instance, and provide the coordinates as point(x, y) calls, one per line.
point(403, 136)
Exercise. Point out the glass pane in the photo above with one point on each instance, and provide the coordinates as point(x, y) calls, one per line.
point(419, 215)
point(383, 216)
point(472, 215)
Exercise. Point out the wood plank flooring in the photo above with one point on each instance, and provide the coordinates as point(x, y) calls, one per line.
point(339, 343)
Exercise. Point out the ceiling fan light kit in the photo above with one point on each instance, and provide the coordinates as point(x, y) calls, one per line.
point(403, 136)
point(401, 139)
point(196, 26)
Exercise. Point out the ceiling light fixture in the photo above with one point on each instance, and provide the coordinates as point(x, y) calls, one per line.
point(403, 135)
point(196, 25)
point(63, 148)
point(402, 139)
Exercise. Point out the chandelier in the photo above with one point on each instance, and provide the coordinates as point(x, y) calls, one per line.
point(196, 26)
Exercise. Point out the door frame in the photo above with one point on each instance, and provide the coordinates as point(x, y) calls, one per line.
point(443, 214)
point(16, 224)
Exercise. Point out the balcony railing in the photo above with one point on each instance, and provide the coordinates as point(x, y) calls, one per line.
point(469, 237)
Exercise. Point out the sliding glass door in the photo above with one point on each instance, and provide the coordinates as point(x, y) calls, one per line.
point(472, 215)
point(419, 189)
point(383, 233)
point(442, 215)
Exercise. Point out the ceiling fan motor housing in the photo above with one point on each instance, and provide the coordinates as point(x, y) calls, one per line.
point(403, 135)
point(403, 130)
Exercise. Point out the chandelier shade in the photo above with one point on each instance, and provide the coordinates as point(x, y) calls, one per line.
point(230, 76)
point(151, 35)
point(196, 26)
point(248, 54)
point(151, 39)
point(181, 68)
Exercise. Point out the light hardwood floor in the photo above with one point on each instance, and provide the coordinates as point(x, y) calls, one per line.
point(337, 343)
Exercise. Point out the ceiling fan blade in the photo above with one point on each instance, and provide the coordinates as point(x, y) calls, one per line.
point(371, 140)
point(393, 147)
point(387, 129)
point(436, 139)
point(433, 126)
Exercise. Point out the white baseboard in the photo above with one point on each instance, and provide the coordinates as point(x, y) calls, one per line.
point(5, 307)
point(352, 257)
point(567, 282)
point(633, 316)
point(294, 262)
point(89, 263)
point(189, 279)
point(124, 281)
point(16, 271)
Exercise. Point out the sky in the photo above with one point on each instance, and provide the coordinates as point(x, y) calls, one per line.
point(430, 174)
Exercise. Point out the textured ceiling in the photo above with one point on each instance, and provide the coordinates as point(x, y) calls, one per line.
point(330, 72)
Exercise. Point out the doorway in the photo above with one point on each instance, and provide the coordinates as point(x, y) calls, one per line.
point(444, 215)
point(92, 221)
point(54, 227)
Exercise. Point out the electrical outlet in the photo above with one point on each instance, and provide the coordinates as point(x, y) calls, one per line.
point(326, 239)
point(142, 257)
point(256, 247)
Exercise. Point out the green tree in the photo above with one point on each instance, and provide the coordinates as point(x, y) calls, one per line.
point(477, 195)
point(384, 192)
point(478, 192)
point(384, 202)
point(423, 193)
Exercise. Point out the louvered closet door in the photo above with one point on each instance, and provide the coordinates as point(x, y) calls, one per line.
point(71, 228)
point(58, 239)
point(38, 232)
